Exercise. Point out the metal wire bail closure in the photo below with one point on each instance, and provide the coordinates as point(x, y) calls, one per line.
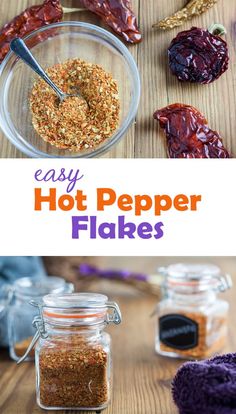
point(39, 325)
point(225, 282)
point(113, 316)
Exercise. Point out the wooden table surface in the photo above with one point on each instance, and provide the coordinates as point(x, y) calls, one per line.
point(141, 378)
point(159, 88)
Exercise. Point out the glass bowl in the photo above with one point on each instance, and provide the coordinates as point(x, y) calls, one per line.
point(53, 44)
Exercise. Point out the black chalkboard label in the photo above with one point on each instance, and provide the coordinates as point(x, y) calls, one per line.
point(178, 332)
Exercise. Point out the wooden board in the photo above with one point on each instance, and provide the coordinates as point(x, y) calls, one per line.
point(142, 380)
point(159, 88)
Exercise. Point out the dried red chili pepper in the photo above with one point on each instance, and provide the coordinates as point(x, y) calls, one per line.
point(118, 15)
point(198, 56)
point(31, 19)
point(188, 135)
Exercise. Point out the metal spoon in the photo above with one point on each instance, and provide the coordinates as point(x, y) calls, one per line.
point(19, 47)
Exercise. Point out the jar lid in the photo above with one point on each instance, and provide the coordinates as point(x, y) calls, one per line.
point(75, 300)
point(72, 310)
point(79, 309)
point(38, 287)
point(195, 277)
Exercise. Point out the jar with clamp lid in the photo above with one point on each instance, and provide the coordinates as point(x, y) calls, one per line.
point(73, 353)
point(192, 318)
point(20, 313)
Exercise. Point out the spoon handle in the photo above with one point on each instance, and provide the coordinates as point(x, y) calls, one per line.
point(19, 47)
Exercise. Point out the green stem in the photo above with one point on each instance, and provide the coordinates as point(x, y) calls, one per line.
point(71, 10)
point(217, 29)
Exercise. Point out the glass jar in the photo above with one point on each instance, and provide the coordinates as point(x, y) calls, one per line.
point(73, 353)
point(192, 319)
point(21, 313)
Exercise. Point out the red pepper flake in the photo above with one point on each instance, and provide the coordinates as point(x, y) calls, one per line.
point(66, 376)
point(188, 135)
point(76, 124)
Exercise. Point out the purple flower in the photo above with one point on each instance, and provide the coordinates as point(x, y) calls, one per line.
point(88, 270)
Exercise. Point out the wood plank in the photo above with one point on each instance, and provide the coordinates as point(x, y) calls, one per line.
point(142, 380)
point(159, 88)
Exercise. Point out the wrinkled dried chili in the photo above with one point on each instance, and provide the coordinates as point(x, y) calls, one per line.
point(198, 56)
point(31, 19)
point(188, 135)
point(193, 8)
point(118, 15)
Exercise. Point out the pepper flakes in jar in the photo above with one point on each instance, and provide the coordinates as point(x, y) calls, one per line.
point(73, 373)
point(192, 320)
point(73, 353)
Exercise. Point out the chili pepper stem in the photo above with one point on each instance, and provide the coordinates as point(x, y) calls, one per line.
point(71, 10)
point(217, 29)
